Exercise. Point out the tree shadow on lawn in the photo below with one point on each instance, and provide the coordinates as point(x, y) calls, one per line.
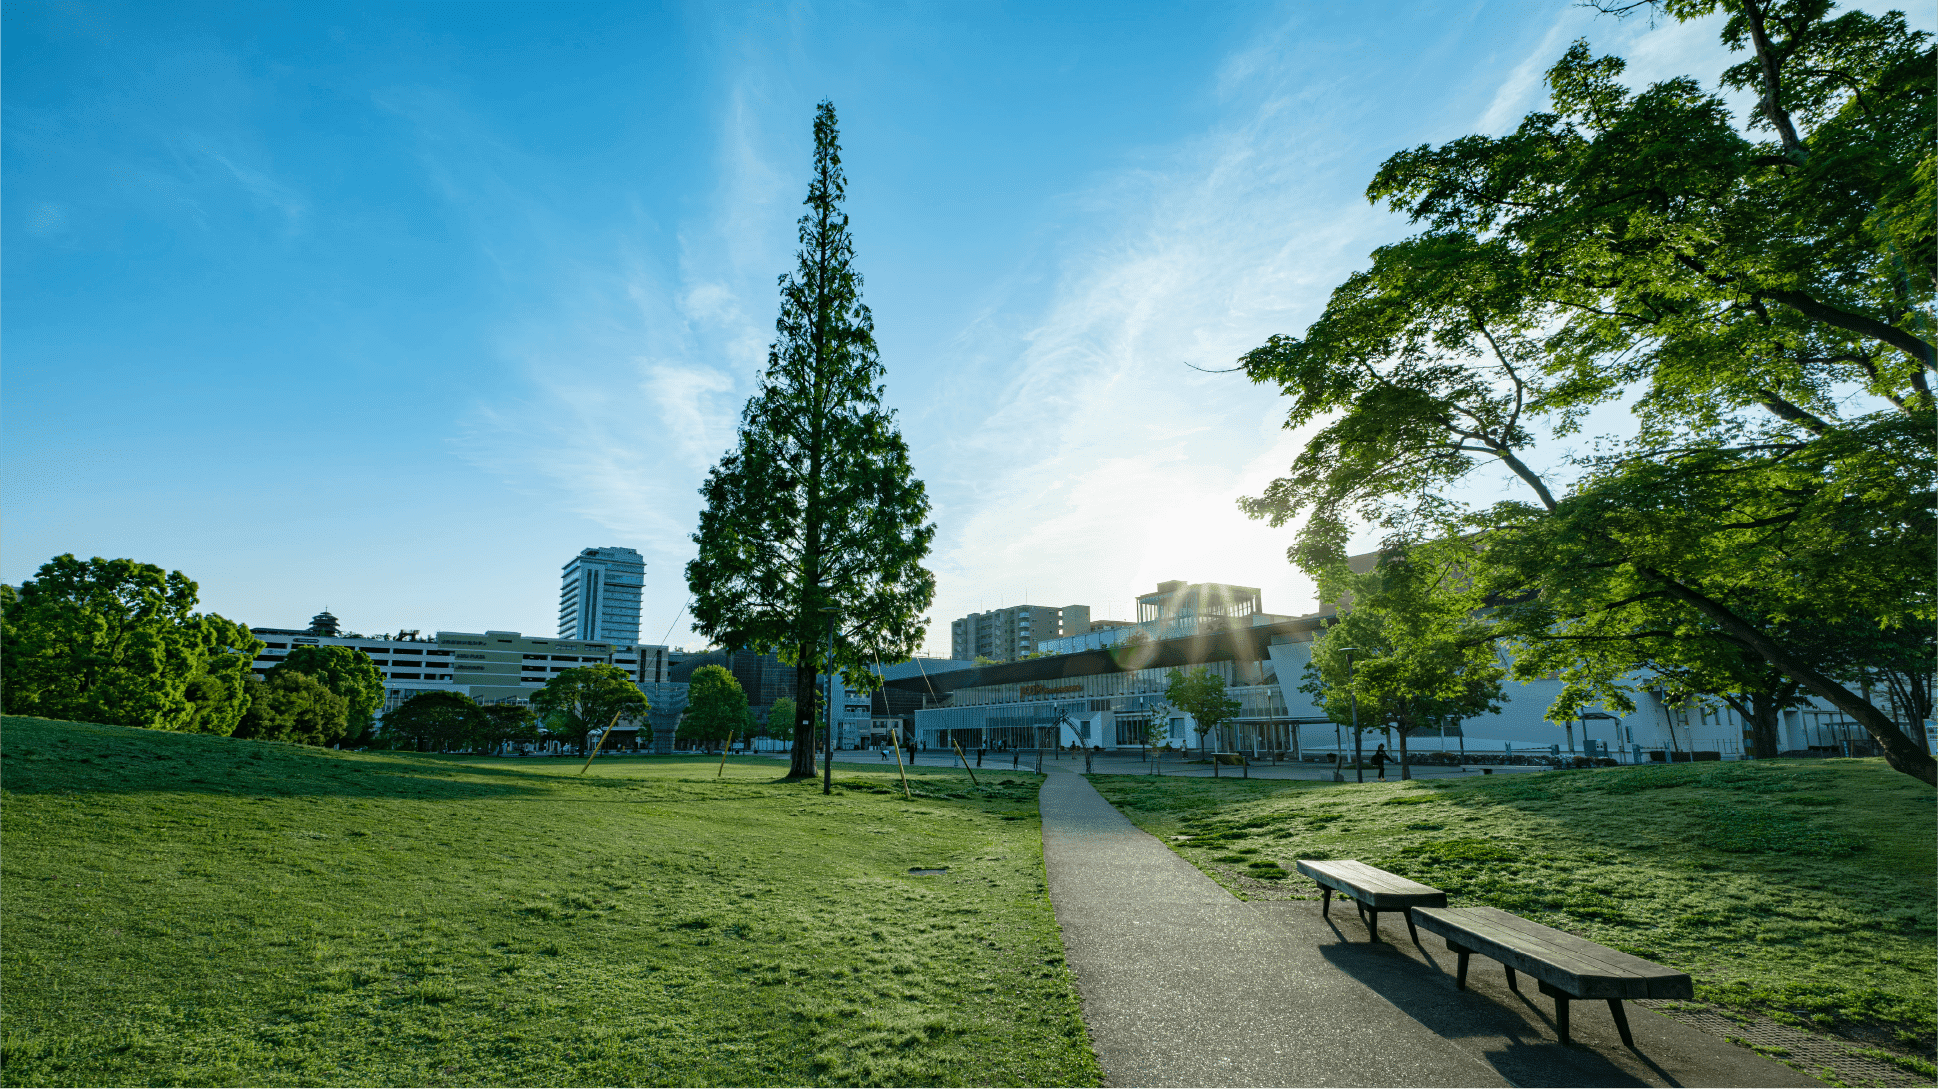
point(44, 756)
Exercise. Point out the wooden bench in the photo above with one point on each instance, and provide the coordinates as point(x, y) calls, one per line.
point(1564, 965)
point(1371, 890)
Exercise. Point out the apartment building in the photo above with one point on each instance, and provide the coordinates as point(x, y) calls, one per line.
point(1007, 635)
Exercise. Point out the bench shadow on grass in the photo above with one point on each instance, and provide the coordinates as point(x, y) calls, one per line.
point(1529, 1057)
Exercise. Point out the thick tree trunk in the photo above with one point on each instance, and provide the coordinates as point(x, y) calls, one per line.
point(801, 766)
point(1899, 752)
point(1764, 709)
point(1406, 772)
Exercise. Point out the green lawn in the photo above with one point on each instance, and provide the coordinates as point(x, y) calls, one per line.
point(181, 909)
point(1798, 888)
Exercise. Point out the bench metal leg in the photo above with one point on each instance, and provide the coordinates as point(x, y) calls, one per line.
point(1372, 924)
point(1410, 929)
point(1560, 1008)
point(1513, 983)
point(1325, 902)
point(1460, 980)
point(1621, 1021)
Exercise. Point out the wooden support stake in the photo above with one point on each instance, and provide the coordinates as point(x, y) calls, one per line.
point(895, 735)
point(965, 762)
point(723, 755)
point(600, 747)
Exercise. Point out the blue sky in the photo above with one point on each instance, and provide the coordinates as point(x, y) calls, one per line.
point(394, 307)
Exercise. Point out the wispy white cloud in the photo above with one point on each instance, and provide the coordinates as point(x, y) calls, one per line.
point(1524, 90)
point(264, 189)
point(1099, 463)
point(629, 374)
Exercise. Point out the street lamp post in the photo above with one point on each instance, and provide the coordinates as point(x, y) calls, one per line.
point(1352, 701)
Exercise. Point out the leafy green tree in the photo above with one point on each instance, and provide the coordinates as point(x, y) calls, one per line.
point(1157, 731)
point(436, 721)
point(578, 701)
point(348, 672)
point(1759, 544)
point(504, 723)
point(1901, 660)
point(816, 520)
point(119, 642)
point(1631, 241)
point(780, 719)
point(716, 708)
point(1421, 658)
point(218, 693)
point(1201, 694)
point(295, 707)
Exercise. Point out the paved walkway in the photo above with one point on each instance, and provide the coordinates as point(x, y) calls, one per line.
point(1183, 984)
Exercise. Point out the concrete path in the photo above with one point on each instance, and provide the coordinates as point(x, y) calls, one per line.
point(1183, 984)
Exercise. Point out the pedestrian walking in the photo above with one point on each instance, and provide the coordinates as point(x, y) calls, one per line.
point(1379, 761)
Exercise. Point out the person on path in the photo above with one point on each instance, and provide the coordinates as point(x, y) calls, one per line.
point(1379, 759)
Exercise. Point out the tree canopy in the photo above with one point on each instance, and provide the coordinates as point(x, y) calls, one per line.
point(119, 642)
point(1420, 656)
point(348, 672)
point(716, 708)
point(294, 706)
point(1200, 693)
point(1639, 245)
point(816, 515)
point(435, 721)
point(506, 722)
point(576, 702)
point(780, 719)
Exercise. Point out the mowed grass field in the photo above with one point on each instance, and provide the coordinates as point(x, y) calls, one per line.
point(1803, 889)
point(192, 910)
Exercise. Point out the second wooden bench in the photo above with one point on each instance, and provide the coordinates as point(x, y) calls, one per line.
point(1563, 965)
point(1372, 890)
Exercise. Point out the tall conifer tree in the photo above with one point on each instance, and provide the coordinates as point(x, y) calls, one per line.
point(816, 518)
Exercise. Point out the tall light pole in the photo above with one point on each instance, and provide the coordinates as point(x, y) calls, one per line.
point(1352, 700)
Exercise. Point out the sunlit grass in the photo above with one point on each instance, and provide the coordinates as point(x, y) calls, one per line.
point(195, 910)
point(1801, 889)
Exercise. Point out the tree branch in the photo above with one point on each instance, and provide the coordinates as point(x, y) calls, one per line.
point(1860, 324)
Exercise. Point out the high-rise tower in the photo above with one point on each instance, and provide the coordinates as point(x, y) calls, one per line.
point(599, 596)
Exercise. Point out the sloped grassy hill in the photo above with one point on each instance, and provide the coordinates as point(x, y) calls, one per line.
point(1802, 889)
point(194, 910)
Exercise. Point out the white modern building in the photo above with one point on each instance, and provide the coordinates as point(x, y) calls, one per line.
point(1108, 698)
point(599, 596)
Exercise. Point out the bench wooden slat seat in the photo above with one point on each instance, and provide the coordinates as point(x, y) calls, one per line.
point(1372, 890)
point(1563, 965)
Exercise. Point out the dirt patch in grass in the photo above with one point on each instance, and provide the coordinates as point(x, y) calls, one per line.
point(1803, 890)
point(193, 910)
